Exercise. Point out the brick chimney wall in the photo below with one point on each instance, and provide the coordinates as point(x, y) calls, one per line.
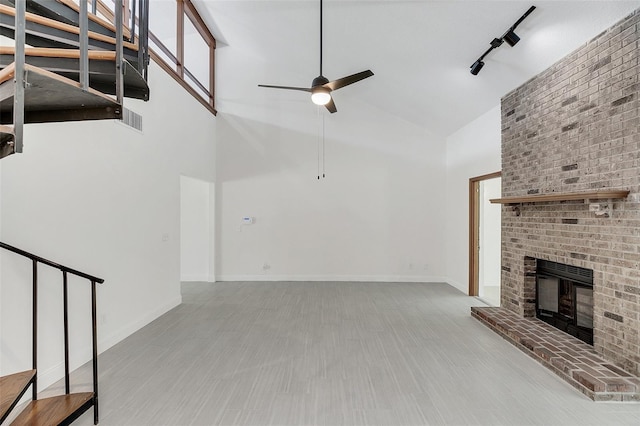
point(576, 127)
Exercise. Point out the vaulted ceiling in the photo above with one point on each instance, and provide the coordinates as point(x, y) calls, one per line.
point(420, 52)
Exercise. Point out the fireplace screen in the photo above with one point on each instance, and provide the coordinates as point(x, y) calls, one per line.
point(564, 298)
point(584, 307)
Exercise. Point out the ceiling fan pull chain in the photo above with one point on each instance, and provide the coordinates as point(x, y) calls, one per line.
point(318, 145)
point(323, 145)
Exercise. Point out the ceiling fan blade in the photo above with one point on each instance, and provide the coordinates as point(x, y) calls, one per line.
point(331, 106)
point(303, 89)
point(345, 81)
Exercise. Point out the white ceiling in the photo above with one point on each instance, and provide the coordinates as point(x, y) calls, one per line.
point(420, 51)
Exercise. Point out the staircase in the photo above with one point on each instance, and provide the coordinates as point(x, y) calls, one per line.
point(66, 64)
point(69, 64)
point(57, 410)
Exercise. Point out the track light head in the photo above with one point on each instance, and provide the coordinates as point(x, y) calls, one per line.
point(476, 67)
point(511, 38)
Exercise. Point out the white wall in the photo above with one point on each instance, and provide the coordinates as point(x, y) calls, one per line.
point(472, 151)
point(377, 215)
point(196, 219)
point(104, 199)
point(490, 233)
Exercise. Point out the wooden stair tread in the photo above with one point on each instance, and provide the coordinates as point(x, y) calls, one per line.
point(95, 18)
point(52, 23)
point(98, 55)
point(101, 77)
point(40, 74)
point(13, 386)
point(54, 410)
point(52, 97)
point(7, 73)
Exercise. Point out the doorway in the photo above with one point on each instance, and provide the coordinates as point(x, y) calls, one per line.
point(485, 238)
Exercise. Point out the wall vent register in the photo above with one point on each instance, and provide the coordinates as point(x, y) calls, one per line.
point(132, 119)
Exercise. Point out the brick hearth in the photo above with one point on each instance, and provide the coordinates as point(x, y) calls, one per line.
point(571, 359)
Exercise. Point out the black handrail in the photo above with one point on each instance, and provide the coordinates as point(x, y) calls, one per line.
point(50, 263)
point(35, 259)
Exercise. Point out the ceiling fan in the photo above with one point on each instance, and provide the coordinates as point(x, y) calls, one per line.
point(321, 87)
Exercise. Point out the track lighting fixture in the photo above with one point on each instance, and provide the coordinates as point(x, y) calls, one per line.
point(496, 42)
point(509, 36)
point(476, 67)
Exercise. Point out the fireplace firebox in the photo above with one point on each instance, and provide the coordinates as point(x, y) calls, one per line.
point(564, 298)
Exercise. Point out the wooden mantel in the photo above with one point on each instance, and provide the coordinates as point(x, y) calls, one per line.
point(562, 196)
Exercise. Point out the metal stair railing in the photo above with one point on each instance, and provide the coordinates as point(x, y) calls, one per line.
point(138, 15)
point(94, 329)
point(119, 34)
point(20, 78)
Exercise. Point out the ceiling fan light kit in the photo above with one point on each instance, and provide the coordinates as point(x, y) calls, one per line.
point(509, 36)
point(321, 87)
point(321, 96)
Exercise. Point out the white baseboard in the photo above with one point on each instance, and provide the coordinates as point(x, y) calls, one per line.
point(334, 278)
point(82, 355)
point(464, 288)
point(50, 376)
point(188, 278)
point(124, 332)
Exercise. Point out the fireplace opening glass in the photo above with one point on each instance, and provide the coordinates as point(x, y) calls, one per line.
point(566, 302)
point(564, 298)
point(548, 293)
point(584, 307)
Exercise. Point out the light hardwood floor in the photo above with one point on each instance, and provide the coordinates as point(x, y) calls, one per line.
point(282, 353)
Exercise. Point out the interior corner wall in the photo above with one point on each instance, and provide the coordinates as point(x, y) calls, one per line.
point(105, 199)
point(376, 216)
point(196, 218)
point(474, 150)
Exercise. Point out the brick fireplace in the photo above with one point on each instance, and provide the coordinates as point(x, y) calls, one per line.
point(576, 128)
